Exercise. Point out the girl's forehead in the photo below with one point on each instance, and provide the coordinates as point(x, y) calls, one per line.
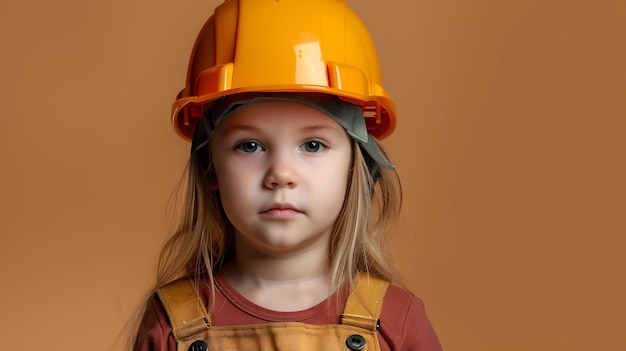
point(272, 114)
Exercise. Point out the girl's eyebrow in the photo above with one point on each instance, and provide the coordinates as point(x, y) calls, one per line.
point(317, 128)
point(254, 129)
point(240, 128)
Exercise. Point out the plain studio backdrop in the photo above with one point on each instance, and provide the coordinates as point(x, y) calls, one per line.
point(511, 145)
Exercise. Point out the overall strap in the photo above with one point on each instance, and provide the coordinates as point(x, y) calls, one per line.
point(186, 312)
point(365, 303)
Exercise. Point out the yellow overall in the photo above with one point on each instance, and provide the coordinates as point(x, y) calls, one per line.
point(193, 331)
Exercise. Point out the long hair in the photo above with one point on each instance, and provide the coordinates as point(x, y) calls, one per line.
point(203, 238)
point(360, 238)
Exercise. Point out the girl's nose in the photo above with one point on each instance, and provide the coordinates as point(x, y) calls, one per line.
point(281, 173)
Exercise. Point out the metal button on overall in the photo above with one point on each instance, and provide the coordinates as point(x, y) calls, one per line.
point(199, 345)
point(355, 342)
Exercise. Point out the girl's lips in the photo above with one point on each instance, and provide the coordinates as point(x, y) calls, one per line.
point(280, 213)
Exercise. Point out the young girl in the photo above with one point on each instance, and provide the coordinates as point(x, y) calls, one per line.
point(281, 241)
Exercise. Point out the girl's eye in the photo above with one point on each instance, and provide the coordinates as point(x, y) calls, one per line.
point(312, 146)
point(249, 147)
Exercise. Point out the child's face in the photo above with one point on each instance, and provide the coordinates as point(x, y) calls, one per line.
point(282, 171)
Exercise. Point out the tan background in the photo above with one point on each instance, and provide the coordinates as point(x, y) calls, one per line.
point(511, 147)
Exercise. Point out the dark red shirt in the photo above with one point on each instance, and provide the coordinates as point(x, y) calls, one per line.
point(403, 321)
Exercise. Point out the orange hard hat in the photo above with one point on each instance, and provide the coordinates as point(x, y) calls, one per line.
point(284, 46)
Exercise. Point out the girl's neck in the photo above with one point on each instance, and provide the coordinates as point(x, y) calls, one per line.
point(289, 283)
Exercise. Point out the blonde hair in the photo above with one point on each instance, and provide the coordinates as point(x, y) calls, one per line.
point(204, 238)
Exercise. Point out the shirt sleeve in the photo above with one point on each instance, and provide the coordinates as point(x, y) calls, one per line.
point(404, 323)
point(155, 333)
